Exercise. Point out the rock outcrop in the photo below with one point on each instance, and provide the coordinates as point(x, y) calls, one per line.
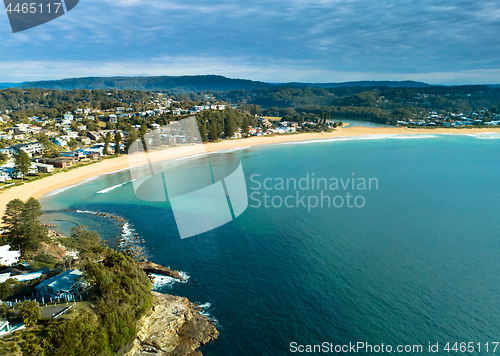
point(172, 327)
point(150, 267)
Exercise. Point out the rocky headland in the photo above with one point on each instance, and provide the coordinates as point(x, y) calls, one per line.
point(172, 327)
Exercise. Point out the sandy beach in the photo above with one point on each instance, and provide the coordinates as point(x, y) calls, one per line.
point(39, 188)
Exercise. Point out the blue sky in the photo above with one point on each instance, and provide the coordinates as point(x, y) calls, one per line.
point(440, 42)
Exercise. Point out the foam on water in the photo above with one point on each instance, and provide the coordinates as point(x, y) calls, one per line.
point(87, 212)
point(103, 191)
point(205, 307)
point(486, 135)
point(160, 281)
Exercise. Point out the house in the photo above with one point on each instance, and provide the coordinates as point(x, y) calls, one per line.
point(113, 118)
point(60, 141)
point(20, 276)
point(94, 135)
point(31, 148)
point(84, 140)
point(92, 155)
point(74, 154)
point(9, 168)
point(4, 176)
point(8, 257)
point(63, 285)
point(44, 168)
point(58, 162)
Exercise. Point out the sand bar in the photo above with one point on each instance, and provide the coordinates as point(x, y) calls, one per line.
point(39, 188)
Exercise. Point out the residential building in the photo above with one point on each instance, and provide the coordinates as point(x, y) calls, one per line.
point(31, 148)
point(8, 257)
point(63, 285)
point(58, 162)
point(84, 140)
point(20, 276)
point(44, 168)
point(113, 118)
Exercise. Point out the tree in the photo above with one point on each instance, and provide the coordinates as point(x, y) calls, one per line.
point(87, 243)
point(246, 124)
point(214, 130)
point(73, 144)
point(22, 222)
point(32, 233)
point(23, 163)
point(4, 157)
point(30, 311)
point(107, 140)
point(203, 131)
point(131, 138)
point(156, 139)
point(12, 219)
point(49, 148)
point(229, 127)
point(118, 139)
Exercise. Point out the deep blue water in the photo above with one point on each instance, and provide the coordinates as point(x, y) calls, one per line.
point(419, 263)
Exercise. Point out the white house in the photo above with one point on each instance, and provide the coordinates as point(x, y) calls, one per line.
point(113, 118)
point(7, 257)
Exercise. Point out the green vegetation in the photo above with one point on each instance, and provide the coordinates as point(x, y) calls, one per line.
point(181, 83)
point(105, 324)
point(30, 311)
point(23, 225)
point(23, 163)
point(120, 295)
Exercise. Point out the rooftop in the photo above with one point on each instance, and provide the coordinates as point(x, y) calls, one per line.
point(62, 282)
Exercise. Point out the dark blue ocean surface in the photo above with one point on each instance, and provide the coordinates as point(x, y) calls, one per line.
point(419, 262)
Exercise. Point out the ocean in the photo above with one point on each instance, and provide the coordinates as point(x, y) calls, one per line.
point(412, 259)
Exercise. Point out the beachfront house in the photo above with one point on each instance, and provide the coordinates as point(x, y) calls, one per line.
point(9, 168)
point(62, 286)
point(8, 257)
point(44, 168)
point(58, 162)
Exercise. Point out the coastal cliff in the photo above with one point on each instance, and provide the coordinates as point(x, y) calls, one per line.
point(172, 327)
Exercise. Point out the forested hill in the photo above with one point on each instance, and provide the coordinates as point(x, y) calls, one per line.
point(185, 83)
point(363, 83)
point(196, 83)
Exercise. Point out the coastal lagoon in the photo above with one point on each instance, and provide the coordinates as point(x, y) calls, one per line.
point(417, 263)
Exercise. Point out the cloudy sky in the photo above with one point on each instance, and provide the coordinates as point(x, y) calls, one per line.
point(435, 41)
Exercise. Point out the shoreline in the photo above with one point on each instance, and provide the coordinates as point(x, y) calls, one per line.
point(64, 180)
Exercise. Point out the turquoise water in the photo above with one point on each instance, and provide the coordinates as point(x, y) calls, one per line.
point(419, 263)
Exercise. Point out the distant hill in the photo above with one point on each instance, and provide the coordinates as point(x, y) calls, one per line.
point(194, 83)
point(9, 85)
point(182, 83)
point(364, 83)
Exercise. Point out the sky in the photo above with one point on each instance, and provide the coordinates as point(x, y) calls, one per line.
point(434, 41)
